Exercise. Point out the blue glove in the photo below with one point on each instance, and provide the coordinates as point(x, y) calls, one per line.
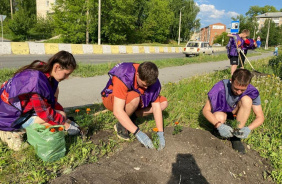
point(73, 130)
point(225, 131)
point(161, 140)
point(245, 131)
point(74, 124)
point(144, 139)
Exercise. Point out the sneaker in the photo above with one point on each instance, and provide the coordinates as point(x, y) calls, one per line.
point(122, 133)
point(237, 145)
point(14, 140)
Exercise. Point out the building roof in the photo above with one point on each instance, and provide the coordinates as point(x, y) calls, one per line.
point(270, 15)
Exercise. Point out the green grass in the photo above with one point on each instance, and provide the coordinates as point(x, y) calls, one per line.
point(183, 108)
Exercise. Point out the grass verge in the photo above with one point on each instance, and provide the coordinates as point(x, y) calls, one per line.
point(183, 108)
point(90, 70)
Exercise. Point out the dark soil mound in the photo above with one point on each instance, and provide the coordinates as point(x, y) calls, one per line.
point(193, 156)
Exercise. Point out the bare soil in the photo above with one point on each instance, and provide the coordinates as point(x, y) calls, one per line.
point(191, 157)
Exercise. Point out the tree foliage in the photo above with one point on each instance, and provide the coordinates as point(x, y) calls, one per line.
point(222, 39)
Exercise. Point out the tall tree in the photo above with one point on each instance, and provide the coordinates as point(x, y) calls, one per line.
point(158, 21)
point(189, 23)
point(257, 10)
point(70, 20)
point(118, 20)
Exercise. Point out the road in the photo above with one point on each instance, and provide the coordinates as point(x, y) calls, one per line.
point(16, 61)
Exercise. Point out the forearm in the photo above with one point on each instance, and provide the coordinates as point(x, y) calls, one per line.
point(157, 112)
point(256, 123)
point(125, 121)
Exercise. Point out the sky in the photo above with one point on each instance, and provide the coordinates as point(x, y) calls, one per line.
point(221, 11)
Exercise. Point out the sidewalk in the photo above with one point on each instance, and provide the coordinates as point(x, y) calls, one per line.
point(76, 91)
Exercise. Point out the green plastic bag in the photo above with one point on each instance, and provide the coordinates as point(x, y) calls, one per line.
point(49, 146)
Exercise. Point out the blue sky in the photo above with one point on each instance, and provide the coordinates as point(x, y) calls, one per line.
point(214, 11)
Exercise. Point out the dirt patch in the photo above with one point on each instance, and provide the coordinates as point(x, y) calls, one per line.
point(193, 156)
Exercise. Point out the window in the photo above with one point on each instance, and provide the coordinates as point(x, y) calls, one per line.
point(47, 3)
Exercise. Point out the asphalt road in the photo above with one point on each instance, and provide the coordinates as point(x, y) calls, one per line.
point(16, 61)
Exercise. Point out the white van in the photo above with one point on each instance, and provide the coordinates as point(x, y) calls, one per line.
point(197, 47)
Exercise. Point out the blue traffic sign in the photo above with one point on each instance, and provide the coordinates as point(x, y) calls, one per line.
point(235, 26)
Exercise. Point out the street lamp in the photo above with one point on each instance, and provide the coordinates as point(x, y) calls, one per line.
point(179, 24)
point(99, 23)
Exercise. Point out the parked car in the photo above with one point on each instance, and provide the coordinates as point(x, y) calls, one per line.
point(197, 47)
point(216, 45)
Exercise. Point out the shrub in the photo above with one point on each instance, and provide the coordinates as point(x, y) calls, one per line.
point(276, 65)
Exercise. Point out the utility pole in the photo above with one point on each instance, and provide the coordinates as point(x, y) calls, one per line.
point(179, 25)
point(266, 42)
point(11, 5)
point(87, 23)
point(99, 23)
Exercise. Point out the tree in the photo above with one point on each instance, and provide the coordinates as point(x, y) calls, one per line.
point(189, 22)
point(256, 10)
point(158, 21)
point(275, 33)
point(70, 20)
point(119, 21)
point(223, 36)
point(23, 19)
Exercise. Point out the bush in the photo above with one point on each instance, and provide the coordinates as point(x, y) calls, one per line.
point(276, 65)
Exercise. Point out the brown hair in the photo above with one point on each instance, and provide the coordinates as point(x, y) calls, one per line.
point(64, 58)
point(246, 31)
point(148, 72)
point(242, 76)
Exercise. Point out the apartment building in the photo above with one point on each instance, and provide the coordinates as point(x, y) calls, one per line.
point(43, 7)
point(208, 34)
point(275, 16)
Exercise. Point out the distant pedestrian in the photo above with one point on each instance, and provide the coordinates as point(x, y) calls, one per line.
point(132, 91)
point(234, 99)
point(275, 53)
point(258, 42)
point(234, 46)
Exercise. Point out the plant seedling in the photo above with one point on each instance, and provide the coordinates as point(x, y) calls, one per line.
point(155, 139)
point(234, 124)
point(177, 128)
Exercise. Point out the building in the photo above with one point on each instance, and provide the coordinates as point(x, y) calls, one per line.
point(208, 34)
point(275, 16)
point(43, 7)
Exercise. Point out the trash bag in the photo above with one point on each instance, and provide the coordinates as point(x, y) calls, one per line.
point(49, 143)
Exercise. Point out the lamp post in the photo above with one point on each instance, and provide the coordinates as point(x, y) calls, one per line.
point(179, 24)
point(99, 23)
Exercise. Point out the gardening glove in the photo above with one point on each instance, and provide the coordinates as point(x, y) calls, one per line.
point(74, 124)
point(144, 139)
point(239, 50)
point(161, 140)
point(244, 132)
point(234, 37)
point(73, 130)
point(225, 131)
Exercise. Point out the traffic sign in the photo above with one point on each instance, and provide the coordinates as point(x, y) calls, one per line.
point(235, 26)
point(2, 17)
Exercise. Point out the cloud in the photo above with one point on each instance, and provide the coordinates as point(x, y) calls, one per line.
point(210, 15)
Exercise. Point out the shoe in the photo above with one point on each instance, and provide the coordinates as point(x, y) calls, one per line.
point(14, 140)
point(122, 133)
point(237, 145)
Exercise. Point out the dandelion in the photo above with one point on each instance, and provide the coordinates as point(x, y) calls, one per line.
point(155, 129)
point(268, 76)
point(278, 89)
point(266, 101)
point(88, 110)
point(276, 94)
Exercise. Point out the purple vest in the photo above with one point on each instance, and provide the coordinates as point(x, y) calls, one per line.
point(28, 81)
point(231, 46)
point(217, 97)
point(126, 73)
